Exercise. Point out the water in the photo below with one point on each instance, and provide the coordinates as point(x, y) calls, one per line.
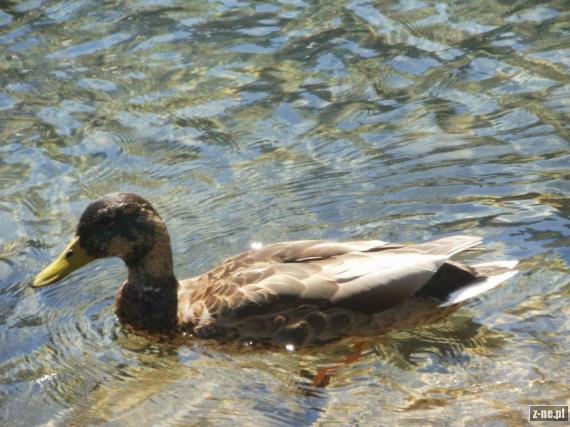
point(249, 121)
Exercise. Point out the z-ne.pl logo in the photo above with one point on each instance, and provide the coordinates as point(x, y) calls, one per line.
point(548, 412)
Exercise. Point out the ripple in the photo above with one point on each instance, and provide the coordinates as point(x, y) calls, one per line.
point(90, 47)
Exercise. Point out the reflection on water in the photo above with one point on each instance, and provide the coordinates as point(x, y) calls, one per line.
point(263, 121)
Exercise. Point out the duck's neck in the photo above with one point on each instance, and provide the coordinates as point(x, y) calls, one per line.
point(149, 300)
point(154, 272)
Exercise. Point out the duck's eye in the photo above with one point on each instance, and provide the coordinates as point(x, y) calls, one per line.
point(105, 221)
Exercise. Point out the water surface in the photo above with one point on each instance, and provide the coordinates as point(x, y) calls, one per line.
point(246, 121)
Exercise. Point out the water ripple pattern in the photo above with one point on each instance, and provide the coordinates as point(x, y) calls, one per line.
point(259, 121)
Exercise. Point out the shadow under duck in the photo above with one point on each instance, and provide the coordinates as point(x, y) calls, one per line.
point(290, 293)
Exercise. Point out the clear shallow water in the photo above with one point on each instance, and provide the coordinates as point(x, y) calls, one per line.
point(266, 121)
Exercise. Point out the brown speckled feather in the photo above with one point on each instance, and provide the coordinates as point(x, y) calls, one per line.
point(308, 291)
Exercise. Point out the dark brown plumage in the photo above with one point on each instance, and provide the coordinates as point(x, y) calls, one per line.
point(290, 293)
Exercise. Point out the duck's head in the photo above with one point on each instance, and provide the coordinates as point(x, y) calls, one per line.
point(120, 225)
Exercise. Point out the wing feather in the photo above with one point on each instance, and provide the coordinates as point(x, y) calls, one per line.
point(367, 276)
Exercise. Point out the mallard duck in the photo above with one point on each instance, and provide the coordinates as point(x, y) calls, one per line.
point(289, 294)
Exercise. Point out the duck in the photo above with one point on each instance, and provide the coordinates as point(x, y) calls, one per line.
point(292, 293)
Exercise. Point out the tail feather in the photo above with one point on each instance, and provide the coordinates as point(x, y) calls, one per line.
point(494, 267)
point(494, 273)
point(448, 246)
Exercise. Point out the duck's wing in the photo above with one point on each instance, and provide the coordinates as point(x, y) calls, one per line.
point(286, 252)
point(366, 276)
point(297, 252)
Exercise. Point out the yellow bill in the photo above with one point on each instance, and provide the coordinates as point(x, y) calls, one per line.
point(73, 257)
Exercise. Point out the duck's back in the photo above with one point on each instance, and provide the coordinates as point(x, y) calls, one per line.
point(308, 291)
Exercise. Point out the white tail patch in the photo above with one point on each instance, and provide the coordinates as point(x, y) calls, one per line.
point(484, 285)
point(498, 264)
